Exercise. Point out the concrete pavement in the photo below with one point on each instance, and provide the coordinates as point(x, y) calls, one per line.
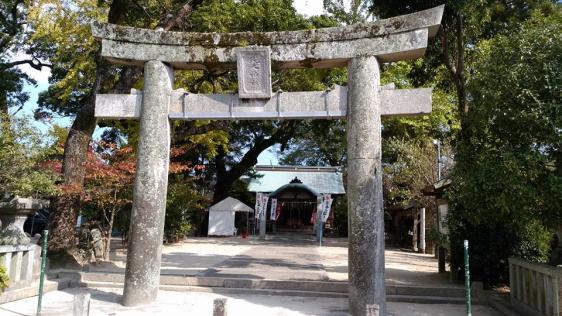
point(106, 302)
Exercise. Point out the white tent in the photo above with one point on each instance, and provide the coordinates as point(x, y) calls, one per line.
point(221, 216)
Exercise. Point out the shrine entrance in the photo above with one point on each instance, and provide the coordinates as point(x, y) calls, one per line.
point(361, 47)
point(296, 210)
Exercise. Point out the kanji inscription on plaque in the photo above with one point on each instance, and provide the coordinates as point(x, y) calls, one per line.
point(254, 72)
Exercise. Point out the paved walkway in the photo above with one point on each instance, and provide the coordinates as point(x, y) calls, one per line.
point(281, 257)
point(105, 302)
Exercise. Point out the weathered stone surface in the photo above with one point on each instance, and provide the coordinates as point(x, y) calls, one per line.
point(254, 72)
point(399, 38)
point(429, 19)
point(219, 307)
point(393, 47)
point(364, 187)
point(19, 262)
point(81, 304)
point(117, 106)
point(286, 105)
point(151, 183)
point(13, 236)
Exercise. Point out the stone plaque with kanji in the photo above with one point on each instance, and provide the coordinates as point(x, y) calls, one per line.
point(254, 72)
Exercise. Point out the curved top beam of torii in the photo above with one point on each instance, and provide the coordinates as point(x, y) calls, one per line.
point(398, 38)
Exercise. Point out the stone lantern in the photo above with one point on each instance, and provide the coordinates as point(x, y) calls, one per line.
point(17, 254)
point(13, 214)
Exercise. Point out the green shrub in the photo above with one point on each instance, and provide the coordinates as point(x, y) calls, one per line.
point(491, 244)
point(3, 279)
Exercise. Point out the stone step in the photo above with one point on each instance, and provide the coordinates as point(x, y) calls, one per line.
point(33, 290)
point(427, 299)
point(281, 285)
point(247, 291)
point(437, 291)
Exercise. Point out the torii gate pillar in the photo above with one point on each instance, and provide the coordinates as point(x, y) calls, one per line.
point(142, 275)
point(365, 211)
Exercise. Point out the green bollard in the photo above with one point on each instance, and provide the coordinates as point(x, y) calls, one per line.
point(467, 279)
point(42, 276)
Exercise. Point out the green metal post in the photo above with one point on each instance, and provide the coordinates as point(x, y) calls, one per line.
point(42, 276)
point(467, 279)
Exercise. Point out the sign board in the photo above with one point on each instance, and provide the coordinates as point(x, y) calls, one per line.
point(257, 209)
point(326, 205)
point(263, 211)
point(442, 210)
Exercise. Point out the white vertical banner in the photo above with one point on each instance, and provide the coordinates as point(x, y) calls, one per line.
point(319, 206)
point(263, 212)
point(273, 209)
point(326, 205)
point(258, 204)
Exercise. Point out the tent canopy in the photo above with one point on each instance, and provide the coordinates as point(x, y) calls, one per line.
point(231, 204)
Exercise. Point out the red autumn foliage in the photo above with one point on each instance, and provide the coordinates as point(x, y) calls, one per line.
point(110, 166)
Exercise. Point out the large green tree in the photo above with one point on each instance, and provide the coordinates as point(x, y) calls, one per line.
point(508, 176)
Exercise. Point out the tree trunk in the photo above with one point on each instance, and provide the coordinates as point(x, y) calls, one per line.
point(65, 207)
point(110, 229)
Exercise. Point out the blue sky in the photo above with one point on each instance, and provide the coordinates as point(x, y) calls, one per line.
point(305, 7)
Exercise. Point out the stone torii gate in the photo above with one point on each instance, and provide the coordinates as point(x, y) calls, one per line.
point(360, 47)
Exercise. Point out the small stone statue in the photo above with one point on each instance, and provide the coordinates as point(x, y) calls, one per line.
point(97, 243)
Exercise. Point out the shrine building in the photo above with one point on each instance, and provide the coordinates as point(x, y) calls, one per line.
point(297, 189)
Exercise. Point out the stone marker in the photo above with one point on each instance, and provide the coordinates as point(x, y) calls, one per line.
point(81, 304)
point(219, 307)
point(361, 47)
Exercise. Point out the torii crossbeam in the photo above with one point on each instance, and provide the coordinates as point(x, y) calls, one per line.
point(360, 47)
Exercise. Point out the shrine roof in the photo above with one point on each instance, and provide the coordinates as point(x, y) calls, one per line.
point(323, 180)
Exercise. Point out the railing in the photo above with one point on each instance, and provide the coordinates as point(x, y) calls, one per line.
point(535, 287)
point(18, 262)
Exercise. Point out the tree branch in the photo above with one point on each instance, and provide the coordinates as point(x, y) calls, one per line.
point(33, 63)
point(170, 21)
